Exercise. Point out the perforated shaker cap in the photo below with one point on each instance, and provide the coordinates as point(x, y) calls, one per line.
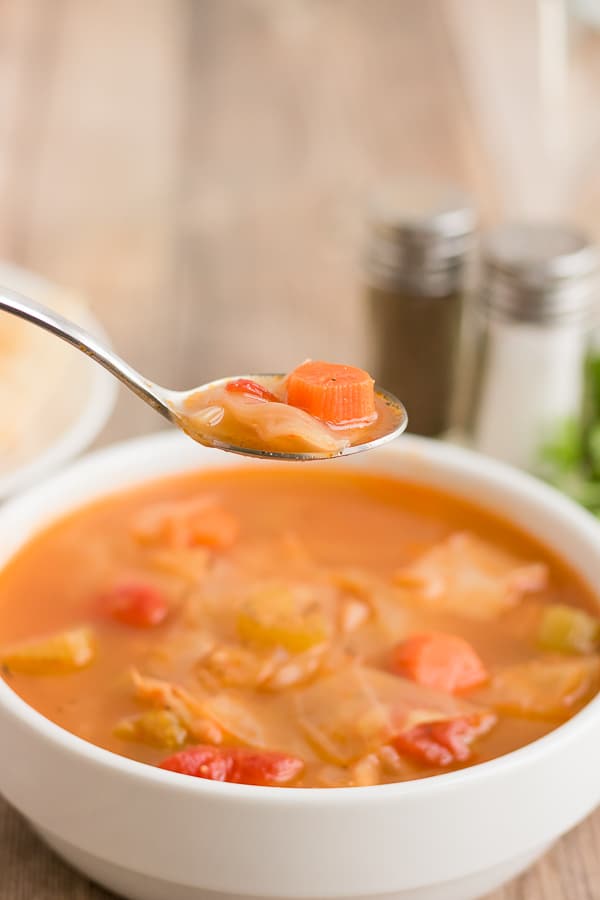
point(540, 273)
point(418, 229)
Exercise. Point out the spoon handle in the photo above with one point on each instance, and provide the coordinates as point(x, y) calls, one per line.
point(44, 317)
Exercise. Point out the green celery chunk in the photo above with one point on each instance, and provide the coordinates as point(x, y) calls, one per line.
point(565, 629)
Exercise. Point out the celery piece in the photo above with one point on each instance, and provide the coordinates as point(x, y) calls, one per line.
point(275, 616)
point(157, 727)
point(55, 654)
point(565, 629)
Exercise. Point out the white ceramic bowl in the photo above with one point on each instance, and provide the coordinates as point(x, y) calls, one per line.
point(150, 836)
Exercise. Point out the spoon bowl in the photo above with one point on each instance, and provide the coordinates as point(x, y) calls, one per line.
point(172, 404)
point(396, 420)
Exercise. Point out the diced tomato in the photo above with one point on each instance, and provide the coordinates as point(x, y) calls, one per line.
point(444, 742)
point(201, 762)
point(252, 388)
point(138, 604)
point(240, 765)
point(265, 767)
point(445, 662)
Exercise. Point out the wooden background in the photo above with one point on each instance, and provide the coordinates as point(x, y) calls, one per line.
point(198, 169)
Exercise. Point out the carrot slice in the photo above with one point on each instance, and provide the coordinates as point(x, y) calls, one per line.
point(218, 529)
point(445, 662)
point(339, 395)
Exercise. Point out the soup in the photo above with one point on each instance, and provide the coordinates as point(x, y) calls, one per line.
point(319, 408)
point(293, 626)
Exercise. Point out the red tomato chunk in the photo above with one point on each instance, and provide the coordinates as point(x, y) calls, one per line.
point(443, 743)
point(136, 604)
point(253, 388)
point(240, 765)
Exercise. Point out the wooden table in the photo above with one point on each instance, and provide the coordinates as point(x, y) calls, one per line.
point(198, 169)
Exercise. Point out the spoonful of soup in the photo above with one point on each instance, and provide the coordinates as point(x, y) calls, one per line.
point(317, 411)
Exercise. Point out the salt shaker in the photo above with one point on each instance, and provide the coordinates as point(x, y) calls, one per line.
point(534, 314)
point(420, 237)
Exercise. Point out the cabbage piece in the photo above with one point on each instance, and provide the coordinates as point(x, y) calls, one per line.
point(369, 603)
point(279, 426)
point(470, 577)
point(230, 665)
point(197, 522)
point(189, 564)
point(167, 695)
point(292, 670)
point(234, 714)
point(547, 688)
point(56, 654)
point(350, 714)
point(188, 710)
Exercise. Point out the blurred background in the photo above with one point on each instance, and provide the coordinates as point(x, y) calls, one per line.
point(198, 170)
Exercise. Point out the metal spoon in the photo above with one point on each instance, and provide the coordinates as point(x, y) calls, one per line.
point(170, 403)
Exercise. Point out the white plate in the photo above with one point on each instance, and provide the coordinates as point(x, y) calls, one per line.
point(95, 402)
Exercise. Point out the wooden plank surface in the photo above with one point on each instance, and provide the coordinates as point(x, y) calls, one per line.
point(198, 170)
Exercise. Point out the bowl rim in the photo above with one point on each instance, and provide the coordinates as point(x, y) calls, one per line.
point(449, 456)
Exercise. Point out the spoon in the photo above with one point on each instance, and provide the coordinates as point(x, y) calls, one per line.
point(171, 403)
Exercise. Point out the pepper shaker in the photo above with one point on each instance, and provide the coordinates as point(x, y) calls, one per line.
point(534, 314)
point(419, 242)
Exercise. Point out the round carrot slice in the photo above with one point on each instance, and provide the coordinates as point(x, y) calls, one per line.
point(446, 662)
point(336, 394)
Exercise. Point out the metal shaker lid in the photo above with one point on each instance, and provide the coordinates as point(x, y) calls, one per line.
point(420, 233)
point(430, 216)
point(540, 272)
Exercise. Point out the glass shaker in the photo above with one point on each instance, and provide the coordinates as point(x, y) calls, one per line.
point(419, 242)
point(533, 320)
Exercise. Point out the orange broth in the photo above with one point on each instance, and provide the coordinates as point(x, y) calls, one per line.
point(290, 609)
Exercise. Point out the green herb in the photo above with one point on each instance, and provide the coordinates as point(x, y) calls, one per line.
point(571, 459)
